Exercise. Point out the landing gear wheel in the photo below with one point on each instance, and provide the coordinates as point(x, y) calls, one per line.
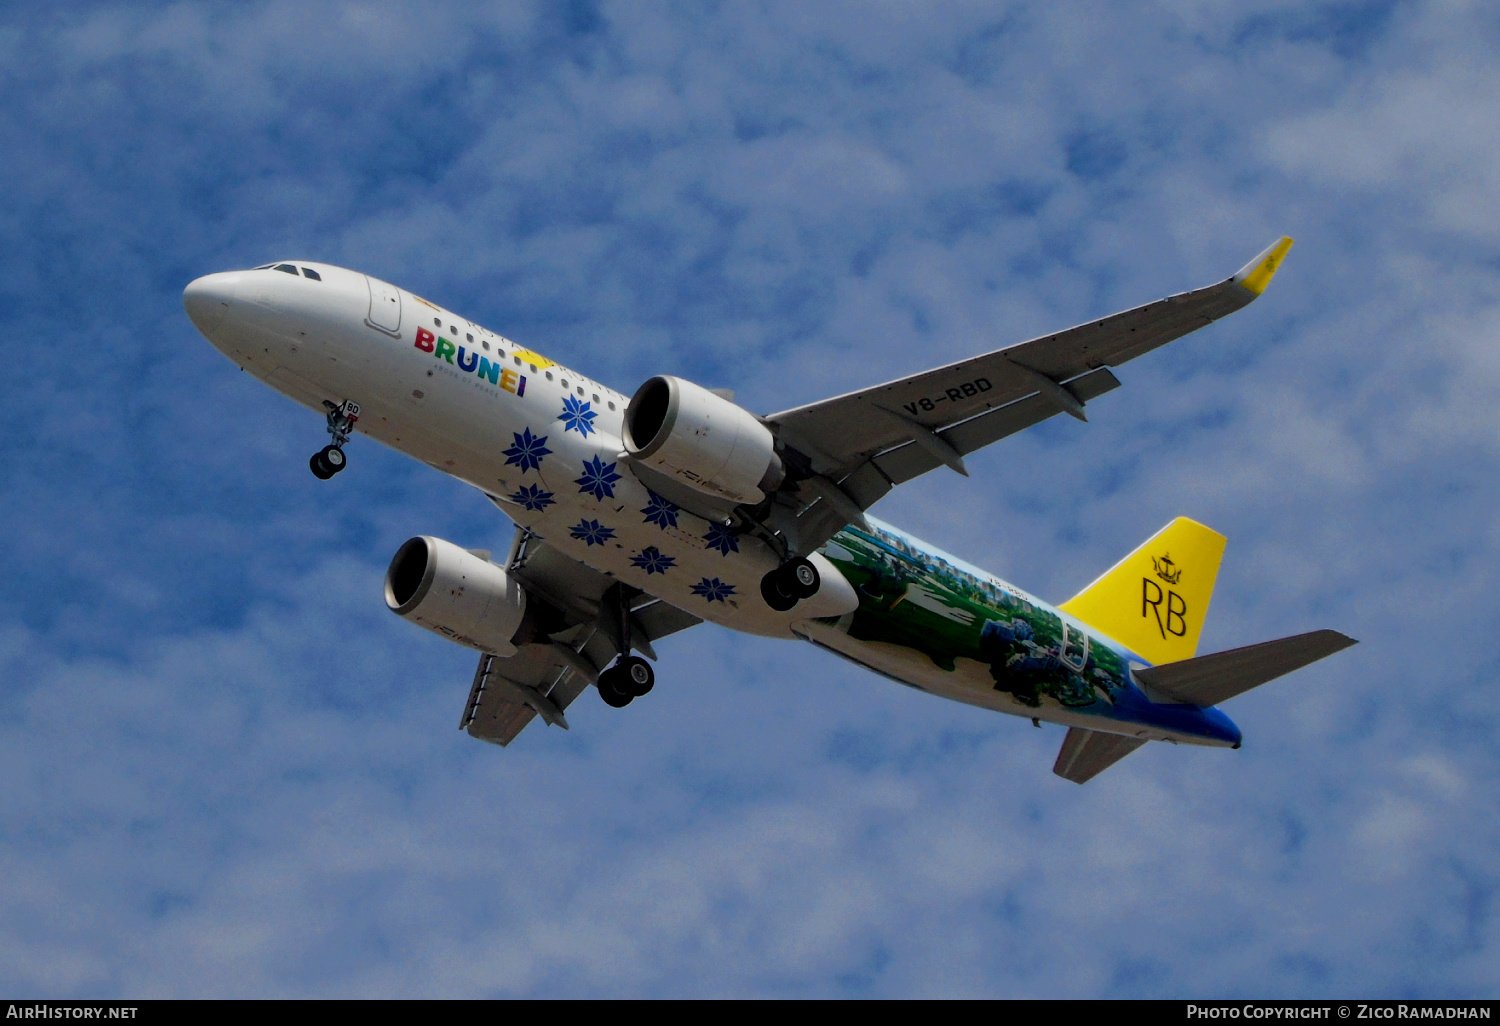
point(802, 578)
point(789, 583)
point(774, 589)
point(636, 676)
point(331, 459)
point(327, 461)
point(613, 688)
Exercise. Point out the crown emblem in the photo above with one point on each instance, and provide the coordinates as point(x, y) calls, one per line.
point(1166, 569)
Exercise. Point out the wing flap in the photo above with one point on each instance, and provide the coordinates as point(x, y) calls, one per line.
point(905, 462)
point(1211, 679)
point(1087, 753)
point(548, 673)
point(508, 693)
point(499, 722)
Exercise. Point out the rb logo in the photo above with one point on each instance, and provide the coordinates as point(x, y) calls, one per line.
point(1175, 621)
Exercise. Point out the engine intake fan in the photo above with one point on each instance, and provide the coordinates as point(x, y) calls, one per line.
point(702, 439)
point(452, 592)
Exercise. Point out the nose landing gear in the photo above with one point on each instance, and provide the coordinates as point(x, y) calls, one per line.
point(330, 459)
point(789, 584)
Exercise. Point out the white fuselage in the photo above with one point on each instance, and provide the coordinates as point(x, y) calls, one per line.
point(541, 439)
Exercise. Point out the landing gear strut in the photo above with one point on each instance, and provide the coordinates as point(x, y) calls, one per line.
point(789, 584)
point(631, 676)
point(330, 459)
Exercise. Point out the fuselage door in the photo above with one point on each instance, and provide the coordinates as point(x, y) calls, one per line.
point(385, 307)
point(1075, 648)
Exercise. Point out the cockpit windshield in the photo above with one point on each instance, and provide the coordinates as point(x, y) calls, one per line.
point(289, 269)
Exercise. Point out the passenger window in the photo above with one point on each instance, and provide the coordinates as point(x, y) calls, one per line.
point(549, 375)
point(580, 392)
point(564, 384)
point(611, 406)
point(470, 338)
point(438, 321)
point(486, 346)
point(288, 268)
point(518, 361)
point(596, 398)
point(314, 275)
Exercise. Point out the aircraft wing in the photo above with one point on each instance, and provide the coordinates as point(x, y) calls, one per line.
point(581, 613)
point(860, 445)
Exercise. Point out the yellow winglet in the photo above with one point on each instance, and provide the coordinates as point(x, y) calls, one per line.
point(1257, 274)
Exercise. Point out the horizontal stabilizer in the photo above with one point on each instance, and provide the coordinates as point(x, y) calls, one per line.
point(1211, 679)
point(1087, 753)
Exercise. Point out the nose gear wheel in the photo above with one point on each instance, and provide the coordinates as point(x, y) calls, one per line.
point(330, 459)
point(326, 462)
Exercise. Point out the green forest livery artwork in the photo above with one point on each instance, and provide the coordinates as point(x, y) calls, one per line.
point(915, 598)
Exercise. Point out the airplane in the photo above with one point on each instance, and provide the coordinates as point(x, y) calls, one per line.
point(639, 516)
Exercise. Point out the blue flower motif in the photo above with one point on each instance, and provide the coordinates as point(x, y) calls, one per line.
point(713, 590)
point(660, 512)
point(721, 538)
point(599, 478)
point(533, 498)
point(576, 416)
point(528, 451)
point(591, 532)
point(652, 561)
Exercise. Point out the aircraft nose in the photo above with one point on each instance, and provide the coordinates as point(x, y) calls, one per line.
point(207, 299)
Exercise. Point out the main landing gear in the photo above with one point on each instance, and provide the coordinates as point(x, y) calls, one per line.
point(790, 583)
point(330, 459)
point(631, 676)
point(629, 679)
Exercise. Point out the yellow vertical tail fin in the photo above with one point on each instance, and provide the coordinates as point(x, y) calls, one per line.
point(1154, 600)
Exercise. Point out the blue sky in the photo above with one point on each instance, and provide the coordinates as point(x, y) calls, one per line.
point(229, 771)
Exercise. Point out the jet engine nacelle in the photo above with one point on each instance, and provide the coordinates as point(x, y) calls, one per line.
point(452, 592)
point(701, 439)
